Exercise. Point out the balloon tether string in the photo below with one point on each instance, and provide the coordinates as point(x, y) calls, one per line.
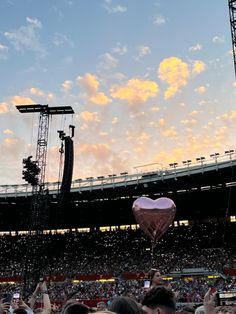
point(152, 249)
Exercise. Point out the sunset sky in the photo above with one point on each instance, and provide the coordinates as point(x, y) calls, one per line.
point(150, 82)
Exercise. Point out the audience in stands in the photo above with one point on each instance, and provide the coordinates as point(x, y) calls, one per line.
point(117, 252)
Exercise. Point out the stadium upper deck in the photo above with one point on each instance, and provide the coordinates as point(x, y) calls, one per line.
point(201, 191)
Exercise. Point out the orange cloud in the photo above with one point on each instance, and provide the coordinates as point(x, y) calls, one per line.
point(164, 158)
point(143, 137)
point(114, 120)
point(67, 85)
point(189, 122)
point(90, 116)
point(100, 99)
point(3, 107)
point(10, 141)
point(20, 100)
point(50, 97)
point(171, 132)
point(36, 91)
point(200, 90)
point(136, 91)
point(198, 67)
point(89, 82)
point(175, 72)
point(98, 151)
point(8, 131)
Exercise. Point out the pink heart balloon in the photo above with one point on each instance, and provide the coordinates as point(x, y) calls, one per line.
point(154, 216)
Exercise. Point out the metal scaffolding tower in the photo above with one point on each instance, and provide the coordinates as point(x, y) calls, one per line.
point(232, 14)
point(38, 215)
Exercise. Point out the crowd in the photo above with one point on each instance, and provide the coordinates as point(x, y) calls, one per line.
point(117, 252)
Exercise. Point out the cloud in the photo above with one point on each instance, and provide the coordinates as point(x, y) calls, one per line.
point(4, 108)
point(200, 90)
point(10, 142)
point(170, 132)
point(195, 48)
point(100, 99)
point(3, 51)
point(67, 85)
point(135, 91)
point(164, 158)
point(143, 51)
point(36, 91)
point(218, 40)
point(8, 131)
point(189, 122)
point(98, 151)
point(90, 116)
point(143, 138)
point(20, 100)
point(154, 109)
point(108, 62)
point(114, 8)
point(50, 97)
point(198, 67)
point(193, 113)
point(34, 22)
point(159, 20)
point(27, 37)
point(162, 122)
point(114, 120)
point(229, 116)
point(61, 40)
point(174, 72)
point(221, 133)
point(120, 50)
point(89, 82)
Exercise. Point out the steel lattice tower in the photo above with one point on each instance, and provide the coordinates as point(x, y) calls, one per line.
point(38, 215)
point(232, 14)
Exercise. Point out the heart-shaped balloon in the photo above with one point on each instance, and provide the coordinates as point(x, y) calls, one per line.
point(154, 216)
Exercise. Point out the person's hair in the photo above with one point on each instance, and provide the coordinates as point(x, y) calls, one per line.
point(160, 297)
point(76, 308)
point(125, 305)
point(152, 272)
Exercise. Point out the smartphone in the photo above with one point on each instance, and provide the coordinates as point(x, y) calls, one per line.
point(147, 283)
point(16, 296)
point(213, 290)
point(7, 298)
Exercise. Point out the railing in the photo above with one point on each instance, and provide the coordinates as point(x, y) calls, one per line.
point(124, 179)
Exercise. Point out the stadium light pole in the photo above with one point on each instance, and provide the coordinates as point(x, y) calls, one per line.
point(174, 165)
point(201, 160)
point(215, 156)
point(187, 162)
point(229, 152)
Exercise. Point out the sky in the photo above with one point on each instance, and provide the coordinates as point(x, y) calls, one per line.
point(150, 82)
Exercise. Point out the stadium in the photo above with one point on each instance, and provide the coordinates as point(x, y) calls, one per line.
point(93, 243)
point(81, 241)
